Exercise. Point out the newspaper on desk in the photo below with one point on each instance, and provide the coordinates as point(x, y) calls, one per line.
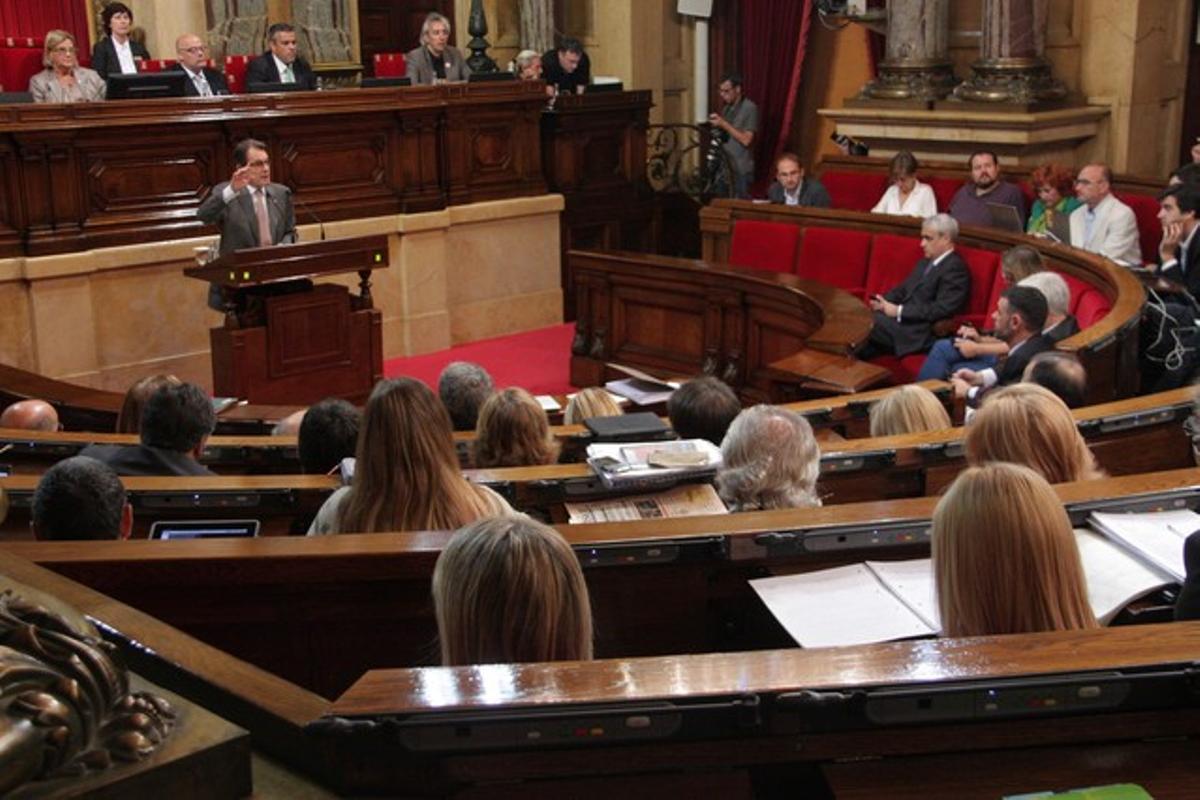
point(650, 465)
point(689, 500)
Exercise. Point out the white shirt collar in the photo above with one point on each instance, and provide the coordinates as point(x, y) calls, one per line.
point(280, 67)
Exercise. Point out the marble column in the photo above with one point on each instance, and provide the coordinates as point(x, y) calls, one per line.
point(1012, 66)
point(916, 66)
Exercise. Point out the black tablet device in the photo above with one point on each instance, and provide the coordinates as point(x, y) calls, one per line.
point(145, 84)
point(204, 529)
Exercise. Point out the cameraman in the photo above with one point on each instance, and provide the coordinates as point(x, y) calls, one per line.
point(739, 122)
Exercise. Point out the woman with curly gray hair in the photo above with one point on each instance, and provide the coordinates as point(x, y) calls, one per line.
point(771, 460)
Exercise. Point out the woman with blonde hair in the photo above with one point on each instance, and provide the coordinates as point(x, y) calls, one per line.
point(510, 590)
point(513, 432)
point(129, 420)
point(590, 402)
point(63, 80)
point(406, 475)
point(770, 460)
point(1005, 558)
point(1027, 424)
point(909, 409)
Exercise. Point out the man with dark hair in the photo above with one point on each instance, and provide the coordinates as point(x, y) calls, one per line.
point(176, 423)
point(1060, 372)
point(567, 70)
point(30, 415)
point(280, 62)
point(1179, 252)
point(791, 188)
point(463, 388)
point(1018, 319)
point(1103, 224)
point(703, 408)
point(328, 433)
point(80, 498)
point(970, 203)
point(738, 123)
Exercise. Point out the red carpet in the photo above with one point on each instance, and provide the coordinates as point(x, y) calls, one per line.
point(538, 361)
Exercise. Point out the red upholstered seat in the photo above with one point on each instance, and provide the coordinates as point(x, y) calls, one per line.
point(1028, 193)
point(389, 65)
point(835, 256)
point(1091, 307)
point(18, 65)
point(892, 258)
point(1145, 208)
point(156, 64)
point(904, 370)
point(235, 73)
point(854, 191)
point(983, 264)
point(943, 190)
point(764, 245)
point(994, 295)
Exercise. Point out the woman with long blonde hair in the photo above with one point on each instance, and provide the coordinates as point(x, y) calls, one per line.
point(1005, 558)
point(593, 401)
point(406, 474)
point(510, 590)
point(909, 409)
point(513, 432)
point(1027, 424)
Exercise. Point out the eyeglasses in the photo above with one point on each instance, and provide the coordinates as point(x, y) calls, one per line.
point(266, 162)
point(63, 48)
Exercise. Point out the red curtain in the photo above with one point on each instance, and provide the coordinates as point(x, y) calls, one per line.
point(774, 36)
point(35, 17)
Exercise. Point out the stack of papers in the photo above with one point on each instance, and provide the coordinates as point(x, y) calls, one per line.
point(693, 499)
point(641, 388)
point(652, 464)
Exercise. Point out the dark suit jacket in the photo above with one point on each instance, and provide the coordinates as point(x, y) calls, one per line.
point(140, 459)
point(1012, 368)
point(418, 65)
point(104, 56)
point(216, 82)
point(1188, 604)
point(1068, 327)
point(926, 299)
point(1188, 274)
point(812, 193)
point(239, 226)
point(263, 70)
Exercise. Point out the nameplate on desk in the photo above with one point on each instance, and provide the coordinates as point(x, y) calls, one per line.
point(854, 462)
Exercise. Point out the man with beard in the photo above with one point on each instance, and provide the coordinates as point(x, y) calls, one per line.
point(970, 203)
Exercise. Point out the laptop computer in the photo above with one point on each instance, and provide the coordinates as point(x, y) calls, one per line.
point(1005, 217)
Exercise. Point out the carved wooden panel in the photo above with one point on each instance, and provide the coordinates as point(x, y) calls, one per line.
point(11, 213)
point(493, 150)
point(653, 325)
point(308, 331)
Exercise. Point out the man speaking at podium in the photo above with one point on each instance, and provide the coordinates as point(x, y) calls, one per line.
point(249, 209)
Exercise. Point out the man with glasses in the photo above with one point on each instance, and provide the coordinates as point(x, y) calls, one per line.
point(281, 63)
point(203, 81)
point(1103, 224)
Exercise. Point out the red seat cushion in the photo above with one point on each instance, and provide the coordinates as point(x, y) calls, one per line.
point(389, 65)
point(904, 370)
point(1145, 208)
point(17, 66)
point(1028, 193)
point(854, 191)
point(835, 256)
point(1091, 308)
point(235, 73)
point(1077, 288)
point(943, 190)
point(155, 64)
point(892, 259)
point(764, 245)
point(994, 296)
point(983, 265)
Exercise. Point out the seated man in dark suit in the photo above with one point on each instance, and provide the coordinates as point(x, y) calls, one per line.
point(791, 188)
point(937, 288)
point(80, 498)
point(203, 81)
point(280, 63)
point(176, 424)
point(1019, 319)
point(1179, 252)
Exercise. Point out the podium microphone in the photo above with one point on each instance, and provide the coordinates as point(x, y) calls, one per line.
point(308, 210)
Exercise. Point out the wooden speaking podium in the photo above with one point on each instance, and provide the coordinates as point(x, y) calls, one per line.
point(286, 340)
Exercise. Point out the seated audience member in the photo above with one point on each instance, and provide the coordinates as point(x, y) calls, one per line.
point(791, 188)
point(328, 433)
point(1188, 173)
point(1061, 373)
point(970, 203)
point(1055, 189)
point(30, 415)
point(463, 388)
point(129, 420)
point(63, 80)
point(770, 460)
point(970, 349)
point(406, 475)
point(513, 432)
point(1179, 252)
point(593, 401)
point(80, 498)
point(703, 408)
point(280, 63)
point(1018, 320)
point(1103, 224)
point(567, 69)
point(510, 590)
point(176, 423)
point(907, 196)
point(1060, 323)
point(117, 53)
point(937, 288)
point(435, 60)
point(527, 66)
point(1005, 558)
point(1187, 605)
point(1026, 424)
point(289, 425)
point(909, 409)
point(202, 80)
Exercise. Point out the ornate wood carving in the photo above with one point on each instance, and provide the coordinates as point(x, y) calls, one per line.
point(67, 707)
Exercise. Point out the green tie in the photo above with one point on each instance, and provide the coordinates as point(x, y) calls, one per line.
point(288, 76)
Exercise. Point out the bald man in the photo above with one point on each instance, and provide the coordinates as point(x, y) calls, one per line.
point(30, 415)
